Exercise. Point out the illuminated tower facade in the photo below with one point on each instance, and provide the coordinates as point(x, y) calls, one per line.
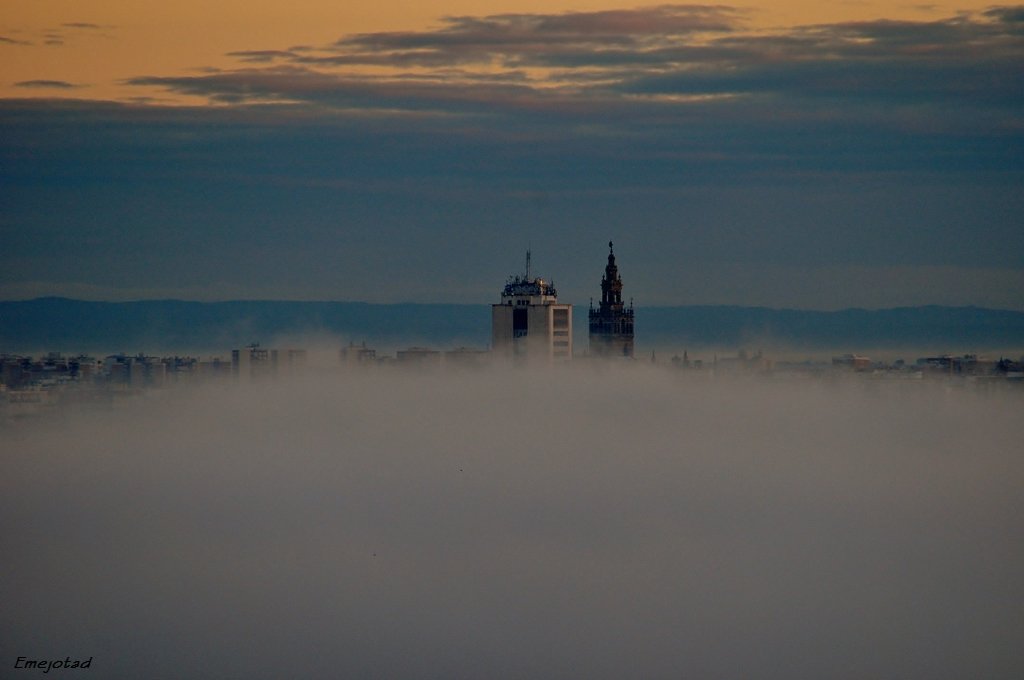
point(529, 323)
point(611, 324)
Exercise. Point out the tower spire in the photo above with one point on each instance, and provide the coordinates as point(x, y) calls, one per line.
point(611, 325)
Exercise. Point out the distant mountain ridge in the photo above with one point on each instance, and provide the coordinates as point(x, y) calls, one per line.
point(958, 328)
point(161, 326)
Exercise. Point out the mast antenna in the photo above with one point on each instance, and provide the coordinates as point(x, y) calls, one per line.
point(527, 264)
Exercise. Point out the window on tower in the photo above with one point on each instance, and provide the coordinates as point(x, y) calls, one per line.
point(519, 323)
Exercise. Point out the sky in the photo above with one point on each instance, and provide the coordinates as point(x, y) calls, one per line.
point(526, 524)
point(786, 154)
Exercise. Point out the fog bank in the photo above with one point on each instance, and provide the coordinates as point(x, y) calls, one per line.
point(598, 524)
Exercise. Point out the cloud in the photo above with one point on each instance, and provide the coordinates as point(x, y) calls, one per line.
point(676, 54)
point(60, 35)
point(1007, 15)
point(510, 38)
point(301, 84)
point(262, 55)
point(464, 37)
point(51, 84)
point(864, 144)
point(944, 93)
point(13, 41)
point(719, 203)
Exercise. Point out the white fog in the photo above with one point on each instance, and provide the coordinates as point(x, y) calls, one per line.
point(567, 523)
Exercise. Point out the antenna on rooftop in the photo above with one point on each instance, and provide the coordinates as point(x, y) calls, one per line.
point(527, 264)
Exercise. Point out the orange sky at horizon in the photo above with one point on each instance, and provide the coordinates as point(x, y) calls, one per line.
point(128, 38)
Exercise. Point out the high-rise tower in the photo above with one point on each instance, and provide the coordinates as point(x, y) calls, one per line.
point(529, 322)
point(611, 324)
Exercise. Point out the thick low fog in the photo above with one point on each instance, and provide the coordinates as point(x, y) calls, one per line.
point(568, 523)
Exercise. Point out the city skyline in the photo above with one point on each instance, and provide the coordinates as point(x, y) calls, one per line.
point(789, 156)
point(278, 397)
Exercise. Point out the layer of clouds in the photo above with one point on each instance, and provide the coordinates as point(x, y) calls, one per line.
point(675, 84)
point(564, 524)
point(527, 38)
point(273, 202)
point(692, 140)
point(597, 57)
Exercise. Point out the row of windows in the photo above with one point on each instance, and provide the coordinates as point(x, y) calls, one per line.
point(561, 318)
point(626, 328)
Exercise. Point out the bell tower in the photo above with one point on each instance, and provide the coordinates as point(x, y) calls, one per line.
point(611, 324)
point(611, 284)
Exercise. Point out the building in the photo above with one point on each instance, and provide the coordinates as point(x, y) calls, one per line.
point(968, 364)
point(357, 355)
point(611, 324)
point(852, 362)
point(124, 371)
point(254, 361)
point(529, 323)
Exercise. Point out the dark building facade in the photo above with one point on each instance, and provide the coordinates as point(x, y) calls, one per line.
point(611, 324)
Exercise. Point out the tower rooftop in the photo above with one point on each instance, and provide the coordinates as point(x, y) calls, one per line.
point(526, 285)
point(520, 285)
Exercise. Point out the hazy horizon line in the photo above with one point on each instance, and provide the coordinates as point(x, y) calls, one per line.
point(477, 304)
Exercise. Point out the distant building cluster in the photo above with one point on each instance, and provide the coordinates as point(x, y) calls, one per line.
point(529, 326)
point(414, 357)
point(30, 386)
point(114, 371)
point(34, 387)
point(254, 361)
